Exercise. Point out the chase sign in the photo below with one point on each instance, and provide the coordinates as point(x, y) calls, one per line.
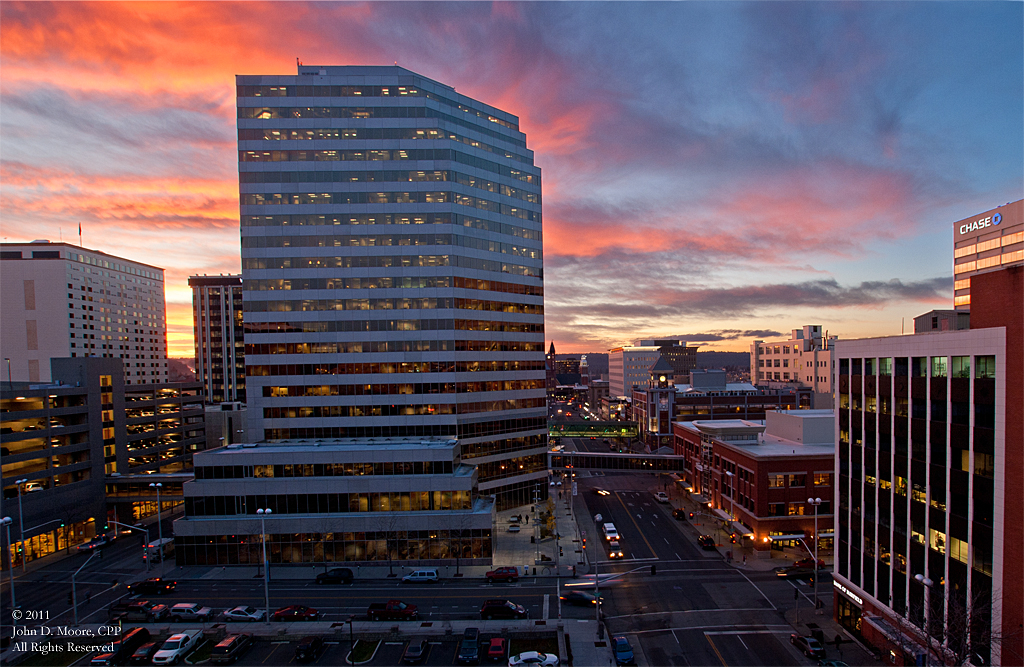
point(981, 223)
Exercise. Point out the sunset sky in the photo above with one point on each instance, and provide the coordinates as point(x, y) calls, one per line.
point(713, 170)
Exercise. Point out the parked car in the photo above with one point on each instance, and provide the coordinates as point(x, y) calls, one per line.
point(416, 651)
point(122, 649)
point(503, 574)
point(469, 647)
point(832, 663)
point(230, 648)
point(153, 586)
point(661, 496)
point(421, 577)
point(339, 575)
point(502, 609)
point(244, 613)
point(809, 646)
point(177, 647)
point(33, 487)
point(706, 542)
point(137, 610)
point(514, 528)
point(496, 649)
point(144, 654)
point(679, 515)
point(190, 611)
point(533, 659)
point(623, 651)
point(296, 612)
point(309, 648)
point(579, 599)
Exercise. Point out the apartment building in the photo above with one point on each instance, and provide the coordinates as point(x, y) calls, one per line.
point(802, 361)
point(62, 300)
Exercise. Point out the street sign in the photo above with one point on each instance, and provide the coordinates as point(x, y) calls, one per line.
point(574, 489)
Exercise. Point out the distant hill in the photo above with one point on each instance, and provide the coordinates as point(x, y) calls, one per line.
point(723, 360)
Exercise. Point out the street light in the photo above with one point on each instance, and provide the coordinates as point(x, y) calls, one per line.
point(21, 524)
point(6, 522)
point(815, 502)
point(159, 528)
point(927, 583)
point(266, 566)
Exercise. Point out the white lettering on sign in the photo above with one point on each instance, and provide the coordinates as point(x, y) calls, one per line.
point(981, 223)
point(845, 591)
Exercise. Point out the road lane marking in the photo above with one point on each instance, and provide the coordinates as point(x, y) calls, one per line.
point(715, 649)
point(666, 540)
point(758, 590)
point(742, 642)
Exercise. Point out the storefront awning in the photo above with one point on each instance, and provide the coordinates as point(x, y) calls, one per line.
point(696, 497)
point(723, 515)
point(738, 527)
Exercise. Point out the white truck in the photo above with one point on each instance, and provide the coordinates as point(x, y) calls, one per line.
point(610, 533)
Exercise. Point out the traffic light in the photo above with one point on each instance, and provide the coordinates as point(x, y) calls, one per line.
point(559, 552)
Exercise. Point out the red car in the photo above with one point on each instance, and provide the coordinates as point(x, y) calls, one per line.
point(496, 649)
point(809, 562)
point(503, 574)
point(296, 612)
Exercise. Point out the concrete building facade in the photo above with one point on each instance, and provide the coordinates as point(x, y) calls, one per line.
point(802, 361)
point(392, 268)
point(62, 300)
point(630, 366)
point(219, 336)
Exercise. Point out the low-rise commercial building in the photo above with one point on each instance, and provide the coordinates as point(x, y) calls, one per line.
point(411, 502)
point(758, 475)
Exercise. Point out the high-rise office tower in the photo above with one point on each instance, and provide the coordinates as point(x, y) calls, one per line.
point(392, 268)
point(217, 322)
point(62, 300)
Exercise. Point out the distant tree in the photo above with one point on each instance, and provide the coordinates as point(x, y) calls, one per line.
point(387, 526)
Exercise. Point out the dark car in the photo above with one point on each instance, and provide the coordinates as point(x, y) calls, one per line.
point(309, 649)
point(144, 654)
point(120, 651)
point(156, 586)
point(679, 515)
point(230, 648)
point(623, 651)
point(579, 599)
point(706, 542)
point(296, 612)
point(810, 646)
point(415, 651)
point(502, 609)
point(339, 575)
point(794, 573)
point(469, 649)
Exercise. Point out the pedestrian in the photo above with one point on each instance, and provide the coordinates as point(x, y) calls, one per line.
point(744, 559)
point(527, 519)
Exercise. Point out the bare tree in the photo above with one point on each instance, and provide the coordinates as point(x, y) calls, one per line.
point(325, 526)
point(459, 528)
point(254, 548)
point(387, 525)
point(69, 513)
point(969, 629)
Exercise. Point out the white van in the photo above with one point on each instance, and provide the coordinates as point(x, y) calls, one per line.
point(421, 577)
point(159, 550)
point(609, 532)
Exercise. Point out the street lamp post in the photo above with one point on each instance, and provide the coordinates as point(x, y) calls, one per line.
point(927, 583)
point(266, 567)
point(21, 525)
point(815, 502)
point(6, 522)
point(159, 528)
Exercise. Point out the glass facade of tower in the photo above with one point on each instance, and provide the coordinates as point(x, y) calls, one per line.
point(392, 268)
